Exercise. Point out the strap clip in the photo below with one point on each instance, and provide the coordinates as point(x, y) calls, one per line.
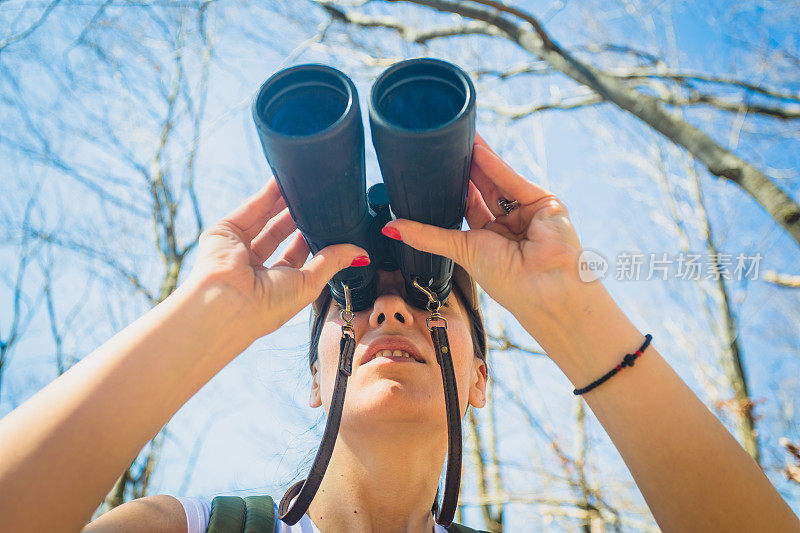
point(347, 315)
point(433, 305)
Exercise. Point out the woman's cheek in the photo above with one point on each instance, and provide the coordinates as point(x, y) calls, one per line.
point(463, 356)
point(328, 354)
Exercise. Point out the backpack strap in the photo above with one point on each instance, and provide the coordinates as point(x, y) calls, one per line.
point(256, 514)
point(232, 514)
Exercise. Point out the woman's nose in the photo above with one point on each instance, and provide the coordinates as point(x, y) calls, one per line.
point(390, 307)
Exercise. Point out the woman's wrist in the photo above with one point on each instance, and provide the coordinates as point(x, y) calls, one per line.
point(226, 306)
point(585, 333)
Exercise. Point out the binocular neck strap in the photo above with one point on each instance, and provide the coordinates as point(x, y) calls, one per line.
point(308, 487)
point(452, 480)
point(291, 512)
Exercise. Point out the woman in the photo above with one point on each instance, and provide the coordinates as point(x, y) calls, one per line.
point(61, 451)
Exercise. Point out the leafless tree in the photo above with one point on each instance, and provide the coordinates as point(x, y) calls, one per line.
point(23, 303)
point(654, 90)
point(149, 177)
point(621, 87)
point(117, 117)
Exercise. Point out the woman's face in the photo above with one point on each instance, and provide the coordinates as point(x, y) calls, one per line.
point(383, 389)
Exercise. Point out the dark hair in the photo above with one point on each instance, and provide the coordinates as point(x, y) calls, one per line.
point(477, 330)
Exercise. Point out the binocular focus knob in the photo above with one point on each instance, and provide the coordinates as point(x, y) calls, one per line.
point(378, 201)
point(384, 249)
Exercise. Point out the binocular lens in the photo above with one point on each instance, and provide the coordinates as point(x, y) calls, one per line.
point(421, 103)
point(305, 106)
point(421, 94)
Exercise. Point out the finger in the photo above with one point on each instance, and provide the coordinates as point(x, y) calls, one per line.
point(508, 182)
point(274, 233)
point(253, 214)
point(295, 254)
point(327, 263)
point(479, 140)
point(477, 213)
point(487, 188)
point(450, 243)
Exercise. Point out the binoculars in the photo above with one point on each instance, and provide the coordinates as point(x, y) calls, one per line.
point(422, 120)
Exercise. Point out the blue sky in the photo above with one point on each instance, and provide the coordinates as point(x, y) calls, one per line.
point(259, 431)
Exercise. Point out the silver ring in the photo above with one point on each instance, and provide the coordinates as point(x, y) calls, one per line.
point(507, 205)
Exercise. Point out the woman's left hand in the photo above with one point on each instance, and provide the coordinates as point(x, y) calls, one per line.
point(526, 259)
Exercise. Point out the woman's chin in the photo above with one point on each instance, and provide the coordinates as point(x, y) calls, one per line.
point(389, 400)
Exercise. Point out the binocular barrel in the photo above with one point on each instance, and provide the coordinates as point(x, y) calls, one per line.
point(422, 118)
point(309, 122)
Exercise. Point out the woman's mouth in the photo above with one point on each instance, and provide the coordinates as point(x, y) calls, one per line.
point(392, 348)
point(397, 356)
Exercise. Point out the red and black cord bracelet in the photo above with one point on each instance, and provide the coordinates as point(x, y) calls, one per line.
point(626, 361)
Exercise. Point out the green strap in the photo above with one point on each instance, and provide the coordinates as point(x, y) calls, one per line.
point(227, 514)
point(232, 514)
point(256, 514)
point(260, 514)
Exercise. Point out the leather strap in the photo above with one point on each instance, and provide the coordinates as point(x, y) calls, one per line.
point(452, 480)
point(307, 488)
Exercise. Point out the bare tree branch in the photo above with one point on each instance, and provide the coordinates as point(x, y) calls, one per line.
point(792, 471)
point(494, 464)
point(165, 206)
point(784, 280)
point(494, 522)
point(504, 343)
point(19, 319)
point(408, 33)
point(719, 161)
point(519, 112)
point(93, 253)
point(697, 98)
point(660, 72)
point(685, 77)
point(11, 39)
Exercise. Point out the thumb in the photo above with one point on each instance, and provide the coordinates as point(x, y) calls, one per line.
point(451, 243)
point(327, 263)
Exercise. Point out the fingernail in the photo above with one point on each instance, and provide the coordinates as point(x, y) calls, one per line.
point(392, 233)
point(360, 261)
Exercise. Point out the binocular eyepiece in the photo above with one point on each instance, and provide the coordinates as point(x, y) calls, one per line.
point(422, 119)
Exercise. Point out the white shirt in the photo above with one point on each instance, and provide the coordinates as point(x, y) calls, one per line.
point(198, 512)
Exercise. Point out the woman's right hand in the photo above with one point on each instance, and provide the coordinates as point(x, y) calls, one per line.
point(525, 259)
point(232, 253)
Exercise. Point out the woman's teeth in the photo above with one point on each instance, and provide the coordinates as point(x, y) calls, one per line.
point(393, 353)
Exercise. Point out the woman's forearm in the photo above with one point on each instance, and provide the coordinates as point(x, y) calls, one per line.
point(67, 444)
point(690, 470)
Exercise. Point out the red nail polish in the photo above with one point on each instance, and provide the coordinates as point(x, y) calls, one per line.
point(360, 261)
point(392, 233)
